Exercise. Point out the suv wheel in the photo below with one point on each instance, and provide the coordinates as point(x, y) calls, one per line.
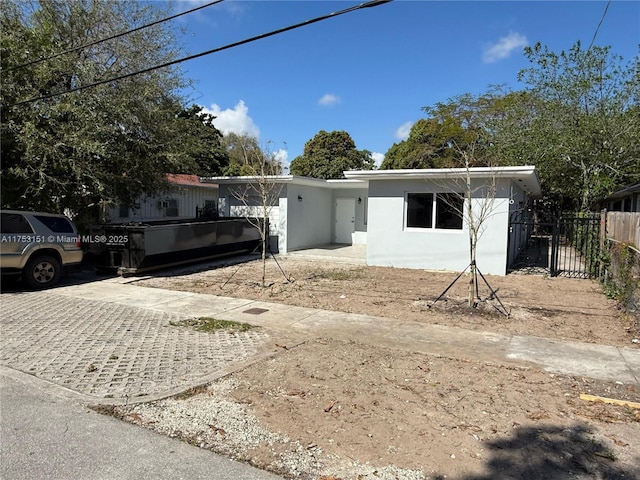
point(42, 272)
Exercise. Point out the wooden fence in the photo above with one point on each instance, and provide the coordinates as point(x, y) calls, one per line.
point(623, 227)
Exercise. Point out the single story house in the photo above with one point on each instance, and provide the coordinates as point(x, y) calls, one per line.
point(414, 216)
point(407, 218)
point(626, 199)
point(188, 196)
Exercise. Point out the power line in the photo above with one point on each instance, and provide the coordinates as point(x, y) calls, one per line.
point(595, 34)
point(371, 3)
point(118, 35)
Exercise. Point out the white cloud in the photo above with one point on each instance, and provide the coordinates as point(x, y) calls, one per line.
point(378, 158)
point(328, 100)
point(282, 156)
point(403, 131)
point(503, 48)
point(236, 120)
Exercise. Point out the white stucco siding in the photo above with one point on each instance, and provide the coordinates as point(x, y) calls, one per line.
point(391, 243)
point(309, 219)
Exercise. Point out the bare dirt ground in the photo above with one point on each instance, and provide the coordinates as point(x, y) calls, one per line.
point(329, 409)
point(564, 308)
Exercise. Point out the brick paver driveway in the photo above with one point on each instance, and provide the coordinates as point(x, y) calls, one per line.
point(111, 351)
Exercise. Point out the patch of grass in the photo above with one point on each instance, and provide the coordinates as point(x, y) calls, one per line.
point(339, 274)
point(209, 324)
point(199, 390)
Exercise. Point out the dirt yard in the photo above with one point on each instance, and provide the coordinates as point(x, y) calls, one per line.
point(329, 409)
point(540, 306)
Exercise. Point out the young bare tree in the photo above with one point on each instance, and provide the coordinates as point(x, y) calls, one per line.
point(464, 127)
point(471, 195)
point(260, 192)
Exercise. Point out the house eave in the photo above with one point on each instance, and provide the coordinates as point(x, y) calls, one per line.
point(291, 180)
point(624, 192)
point(525, 176)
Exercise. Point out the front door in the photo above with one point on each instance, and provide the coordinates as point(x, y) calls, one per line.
point(345, 220)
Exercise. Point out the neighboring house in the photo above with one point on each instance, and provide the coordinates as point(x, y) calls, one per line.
point(400, 215)
point(188, 196)
point(624, 200)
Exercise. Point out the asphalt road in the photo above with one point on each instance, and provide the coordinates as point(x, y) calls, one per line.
point(47, 434)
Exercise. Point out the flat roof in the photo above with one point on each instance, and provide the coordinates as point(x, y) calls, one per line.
point(526, 176)
point(293, 180)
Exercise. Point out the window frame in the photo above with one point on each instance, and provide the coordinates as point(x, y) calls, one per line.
point(435, 215)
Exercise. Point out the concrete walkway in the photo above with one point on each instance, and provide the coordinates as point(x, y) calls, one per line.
point(573, 358)
point(112, 341)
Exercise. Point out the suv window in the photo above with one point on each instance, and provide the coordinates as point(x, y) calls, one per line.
point(14, 223)
point(56, 224)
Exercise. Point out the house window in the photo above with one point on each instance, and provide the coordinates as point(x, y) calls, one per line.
point(172, 208)
point(420, 210)
point(429, 210)
point(449, 208)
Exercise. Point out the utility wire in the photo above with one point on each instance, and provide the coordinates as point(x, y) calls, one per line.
point(371, 3)
point(118, 35)
point(595, 34)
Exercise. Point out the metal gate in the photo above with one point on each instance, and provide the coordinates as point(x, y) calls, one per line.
point(567, 246)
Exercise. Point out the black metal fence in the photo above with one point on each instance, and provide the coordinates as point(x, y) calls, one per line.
point(568, 245)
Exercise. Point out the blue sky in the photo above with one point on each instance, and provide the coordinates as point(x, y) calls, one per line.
point(370, 71)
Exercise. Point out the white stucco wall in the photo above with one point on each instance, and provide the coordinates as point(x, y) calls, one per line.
point(390, 243)
point(310, 220)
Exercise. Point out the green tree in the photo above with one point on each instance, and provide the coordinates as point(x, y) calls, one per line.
point(581, 122)
point(463, 124)
point(329, 154)
point(246, 157)
point(100, 145)
point(429, 145)
point(201, 149)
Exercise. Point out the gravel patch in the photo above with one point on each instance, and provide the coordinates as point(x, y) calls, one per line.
point(207, 418)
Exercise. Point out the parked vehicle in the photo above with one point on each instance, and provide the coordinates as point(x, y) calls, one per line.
point(38, 246)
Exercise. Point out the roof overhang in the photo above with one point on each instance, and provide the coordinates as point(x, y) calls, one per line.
point(183, 180)
point(290, 180)
point(625, 192)
point(525, 176)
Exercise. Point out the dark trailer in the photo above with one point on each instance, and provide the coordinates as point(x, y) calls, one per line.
point(140, 247)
